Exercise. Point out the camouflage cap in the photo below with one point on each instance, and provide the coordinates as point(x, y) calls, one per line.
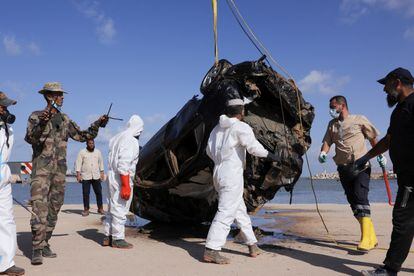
point(5, 101)
point(52, 87)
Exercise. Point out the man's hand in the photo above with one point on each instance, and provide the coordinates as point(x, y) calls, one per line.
point(361, 162)
point(322, 157)
point(102, 176)
point(103, 120)
point(125, 188)
point(44, 117)
point(382, 161)
point(79, 177)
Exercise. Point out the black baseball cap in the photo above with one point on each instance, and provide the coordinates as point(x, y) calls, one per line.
point(399, 73)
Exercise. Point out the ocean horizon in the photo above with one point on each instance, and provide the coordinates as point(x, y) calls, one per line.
point(327, 191)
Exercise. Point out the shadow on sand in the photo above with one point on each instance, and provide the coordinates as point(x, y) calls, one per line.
point(24, 242)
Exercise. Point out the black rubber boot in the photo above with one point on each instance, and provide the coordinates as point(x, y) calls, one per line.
point(37, 258)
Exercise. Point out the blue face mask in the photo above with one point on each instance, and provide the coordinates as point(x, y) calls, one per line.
point(334, 113)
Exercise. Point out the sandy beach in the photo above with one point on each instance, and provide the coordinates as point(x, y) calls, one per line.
point(295, 244)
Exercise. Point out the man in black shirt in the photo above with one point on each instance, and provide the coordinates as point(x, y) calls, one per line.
point(398, 85)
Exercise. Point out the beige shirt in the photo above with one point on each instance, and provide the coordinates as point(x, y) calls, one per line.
point(89, 164)
point(349, 137)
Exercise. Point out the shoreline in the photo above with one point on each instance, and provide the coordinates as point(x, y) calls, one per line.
point(295, 243)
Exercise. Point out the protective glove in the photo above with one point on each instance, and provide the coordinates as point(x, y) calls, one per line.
point(361, 162)
point(125, 188)
point(382, 161)
point(322, 157)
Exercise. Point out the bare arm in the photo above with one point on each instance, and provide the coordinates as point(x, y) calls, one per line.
point(380, 147)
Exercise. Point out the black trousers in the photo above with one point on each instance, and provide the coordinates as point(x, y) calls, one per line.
point(97, 188)
point(356, 191)
point(403, 223)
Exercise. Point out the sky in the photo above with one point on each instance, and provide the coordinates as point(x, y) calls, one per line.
point(149, 57)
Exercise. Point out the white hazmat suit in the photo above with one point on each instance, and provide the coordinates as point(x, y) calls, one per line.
point(8, 242)
point(123, 157)
point(227, 147)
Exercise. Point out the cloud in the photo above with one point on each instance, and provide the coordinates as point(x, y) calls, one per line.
point(34, 48)
point(409, 33)
point(14, 48)
point(155, 119)
point(352, 10)
point(323, 82)
point(105, 26)
point(11, 46)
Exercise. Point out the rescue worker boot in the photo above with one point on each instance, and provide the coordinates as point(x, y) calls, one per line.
point(107, 241)
point(373, 236)
point(37, 258)
point(122, 244)
point(254, 250)
point(13, 271)
point(213, 256)
point(47, 252)
point(365, 244)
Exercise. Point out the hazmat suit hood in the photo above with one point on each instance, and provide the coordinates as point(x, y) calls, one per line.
point(135, 125)
point(226, 122)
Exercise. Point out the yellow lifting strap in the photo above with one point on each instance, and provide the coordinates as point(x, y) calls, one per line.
point(214, 6)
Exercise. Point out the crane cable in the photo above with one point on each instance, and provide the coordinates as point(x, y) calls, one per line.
point(264, 51)
point(214, 6)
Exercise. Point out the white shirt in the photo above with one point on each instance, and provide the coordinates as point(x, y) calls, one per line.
point(89, 164)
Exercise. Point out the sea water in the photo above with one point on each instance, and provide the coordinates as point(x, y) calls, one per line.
point(327, 191)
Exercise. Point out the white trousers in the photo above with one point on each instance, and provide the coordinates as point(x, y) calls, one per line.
point(118, 208)
point(231, 208)
point(8, 240)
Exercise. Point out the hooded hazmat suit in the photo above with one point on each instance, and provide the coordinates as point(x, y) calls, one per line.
point(8, 240)
point(123, 157)
point(227, 147)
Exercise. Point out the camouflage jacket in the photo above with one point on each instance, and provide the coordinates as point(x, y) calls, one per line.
point(49, 141)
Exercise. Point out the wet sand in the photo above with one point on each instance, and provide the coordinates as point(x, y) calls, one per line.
point(295, 244)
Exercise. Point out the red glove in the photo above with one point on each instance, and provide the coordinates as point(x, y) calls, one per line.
point(125, 188)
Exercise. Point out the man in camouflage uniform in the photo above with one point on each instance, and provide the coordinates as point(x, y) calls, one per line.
point(48, 131)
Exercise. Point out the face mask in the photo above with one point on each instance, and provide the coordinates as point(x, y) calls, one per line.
point(392, 98)
point(334, 113)
point(8, 118)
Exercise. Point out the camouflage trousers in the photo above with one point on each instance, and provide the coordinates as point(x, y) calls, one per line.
point(47, 192)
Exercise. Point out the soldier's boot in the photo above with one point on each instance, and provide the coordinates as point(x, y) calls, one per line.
point(122, 244)
point(13, 271)
point(254, 250)
point(47, 252)
point(107, 241)
point(37, 258)
point(213, 256)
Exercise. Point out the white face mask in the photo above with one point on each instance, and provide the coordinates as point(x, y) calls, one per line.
point(334, 113)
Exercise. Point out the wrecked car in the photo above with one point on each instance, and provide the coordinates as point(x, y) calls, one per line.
point(173, 181)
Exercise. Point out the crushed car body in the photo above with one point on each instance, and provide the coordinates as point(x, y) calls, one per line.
point(173, 181)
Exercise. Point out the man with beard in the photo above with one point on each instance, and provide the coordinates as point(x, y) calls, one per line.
point(48, 132)
point(90, 171)
point(398, 85)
